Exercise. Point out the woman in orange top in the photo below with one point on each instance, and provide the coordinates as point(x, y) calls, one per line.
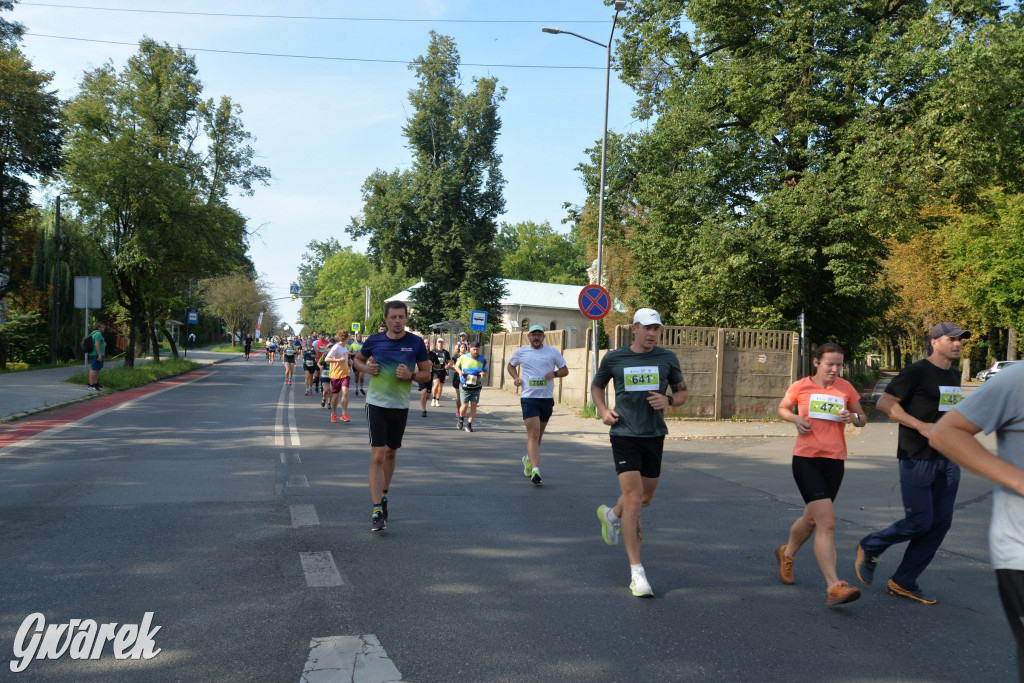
point(825, 404)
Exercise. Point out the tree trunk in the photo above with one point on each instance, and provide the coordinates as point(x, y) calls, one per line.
point(170, 340)
point(1011, 344)
point(965, 370)
point(154, 340)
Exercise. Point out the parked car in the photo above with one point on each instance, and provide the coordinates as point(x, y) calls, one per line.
point(980, 377)
point(996, 367)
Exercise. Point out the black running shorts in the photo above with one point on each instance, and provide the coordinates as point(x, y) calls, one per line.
point(387, 425)
point(818, 478)
point(638, 454)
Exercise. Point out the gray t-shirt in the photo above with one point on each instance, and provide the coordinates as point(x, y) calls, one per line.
point(998, 406)
point(635, 375)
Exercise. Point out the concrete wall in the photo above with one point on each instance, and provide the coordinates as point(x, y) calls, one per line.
point(730, 372)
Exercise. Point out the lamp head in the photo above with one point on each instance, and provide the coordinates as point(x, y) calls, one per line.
point(620, 5)
point(550, 29)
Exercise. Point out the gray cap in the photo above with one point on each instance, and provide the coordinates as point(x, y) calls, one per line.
point(948, 330)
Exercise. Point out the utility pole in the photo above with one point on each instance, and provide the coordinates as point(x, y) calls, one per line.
point(55, 284)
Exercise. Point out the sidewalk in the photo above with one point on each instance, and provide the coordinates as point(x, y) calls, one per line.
point(34, 391)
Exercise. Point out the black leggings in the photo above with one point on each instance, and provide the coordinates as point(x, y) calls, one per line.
point(1011, 592)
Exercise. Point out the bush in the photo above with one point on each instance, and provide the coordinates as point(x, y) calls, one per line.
point(865, 377)
point(128, 378)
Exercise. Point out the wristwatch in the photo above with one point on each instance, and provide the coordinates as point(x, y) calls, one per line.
point(670, 401)
point(856, 418)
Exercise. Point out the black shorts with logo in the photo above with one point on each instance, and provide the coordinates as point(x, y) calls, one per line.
point(638, 454)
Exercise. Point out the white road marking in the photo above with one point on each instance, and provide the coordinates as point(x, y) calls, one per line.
point(353, 659)
point(320, 570)
point(279, 418)
point(291, 419)
point(298, 481)
point(294, 457)
point(304, 515)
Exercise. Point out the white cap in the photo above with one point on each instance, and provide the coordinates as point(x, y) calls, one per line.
point(647, 316)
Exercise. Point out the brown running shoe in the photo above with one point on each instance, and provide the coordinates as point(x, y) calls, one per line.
point(842, 593)
point(785, 565)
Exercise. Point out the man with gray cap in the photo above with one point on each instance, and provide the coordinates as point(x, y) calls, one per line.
point(648, 381)
point(916, 399)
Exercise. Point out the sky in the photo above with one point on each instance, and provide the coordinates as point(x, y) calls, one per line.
point(326, 96)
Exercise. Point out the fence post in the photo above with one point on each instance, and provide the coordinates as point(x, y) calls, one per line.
point(719, 370)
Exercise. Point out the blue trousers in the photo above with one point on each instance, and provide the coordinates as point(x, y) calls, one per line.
point(929, 491)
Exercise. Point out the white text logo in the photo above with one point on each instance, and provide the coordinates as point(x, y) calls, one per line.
point(81, 639)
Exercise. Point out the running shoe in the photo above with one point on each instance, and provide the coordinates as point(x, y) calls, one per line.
point(344, 417)
point(469, 426)
point(785, 565)
point(527, 466)
point(610, 524)
point(917, 595)
point(323, 402)
point(640, 586)
point(865, 566)
point(841, 593)
point(334, 418)
point(460, 424)
point(424, 413)
point(534, 476)
point(379, 523)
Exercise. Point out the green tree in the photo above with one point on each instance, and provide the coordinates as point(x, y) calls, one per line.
point(531, 251)
point(789, 141)
point(10, 31)
point(312, 314)
point(438, 218)
point(151, 164)
point(238, 298)
point(985, 261)
point(30, 143)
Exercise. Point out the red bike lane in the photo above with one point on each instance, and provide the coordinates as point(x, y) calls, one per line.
point(14, 432)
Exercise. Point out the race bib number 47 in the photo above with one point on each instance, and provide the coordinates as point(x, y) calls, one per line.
point(641, 378)
point(825, 407)
point(949, 397)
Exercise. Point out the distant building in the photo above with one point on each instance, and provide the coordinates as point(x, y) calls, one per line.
point(525, 303)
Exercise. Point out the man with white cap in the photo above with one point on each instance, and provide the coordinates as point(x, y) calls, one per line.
point(916, 399)
point(648, 381)
point(534, 368)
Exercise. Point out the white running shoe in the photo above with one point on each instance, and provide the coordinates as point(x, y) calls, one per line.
point(610, 524)
point(639, 585)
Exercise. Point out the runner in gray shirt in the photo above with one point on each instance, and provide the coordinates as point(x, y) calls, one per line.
point(998, 406)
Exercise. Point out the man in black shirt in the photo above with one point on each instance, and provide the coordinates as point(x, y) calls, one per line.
point(916, 399)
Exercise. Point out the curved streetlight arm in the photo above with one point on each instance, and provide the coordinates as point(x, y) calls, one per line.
point(556, 31)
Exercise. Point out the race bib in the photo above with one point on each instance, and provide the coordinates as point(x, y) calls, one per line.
point(641, 378)
point(825, 407)
point(538, 382)
point(309, 363)
point(949, 397)
point(472, 380)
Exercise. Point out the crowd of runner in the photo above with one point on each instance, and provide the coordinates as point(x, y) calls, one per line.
point(936, 433)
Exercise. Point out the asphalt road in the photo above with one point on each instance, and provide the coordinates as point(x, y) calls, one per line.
point(198, 504)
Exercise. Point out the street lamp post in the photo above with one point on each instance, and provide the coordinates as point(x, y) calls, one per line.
point(619, 6)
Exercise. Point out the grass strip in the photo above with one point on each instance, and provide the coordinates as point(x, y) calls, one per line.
point(120, 378)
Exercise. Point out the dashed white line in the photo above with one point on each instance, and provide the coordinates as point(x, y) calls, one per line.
point(320, 570)
point(294, 457)
point(298, 481)
point(349, 658)
point(304, 515)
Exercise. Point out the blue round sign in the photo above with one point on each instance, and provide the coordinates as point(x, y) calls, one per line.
point(595, 302)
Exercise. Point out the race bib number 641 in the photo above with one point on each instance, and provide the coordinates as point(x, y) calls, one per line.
point(641, 378)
